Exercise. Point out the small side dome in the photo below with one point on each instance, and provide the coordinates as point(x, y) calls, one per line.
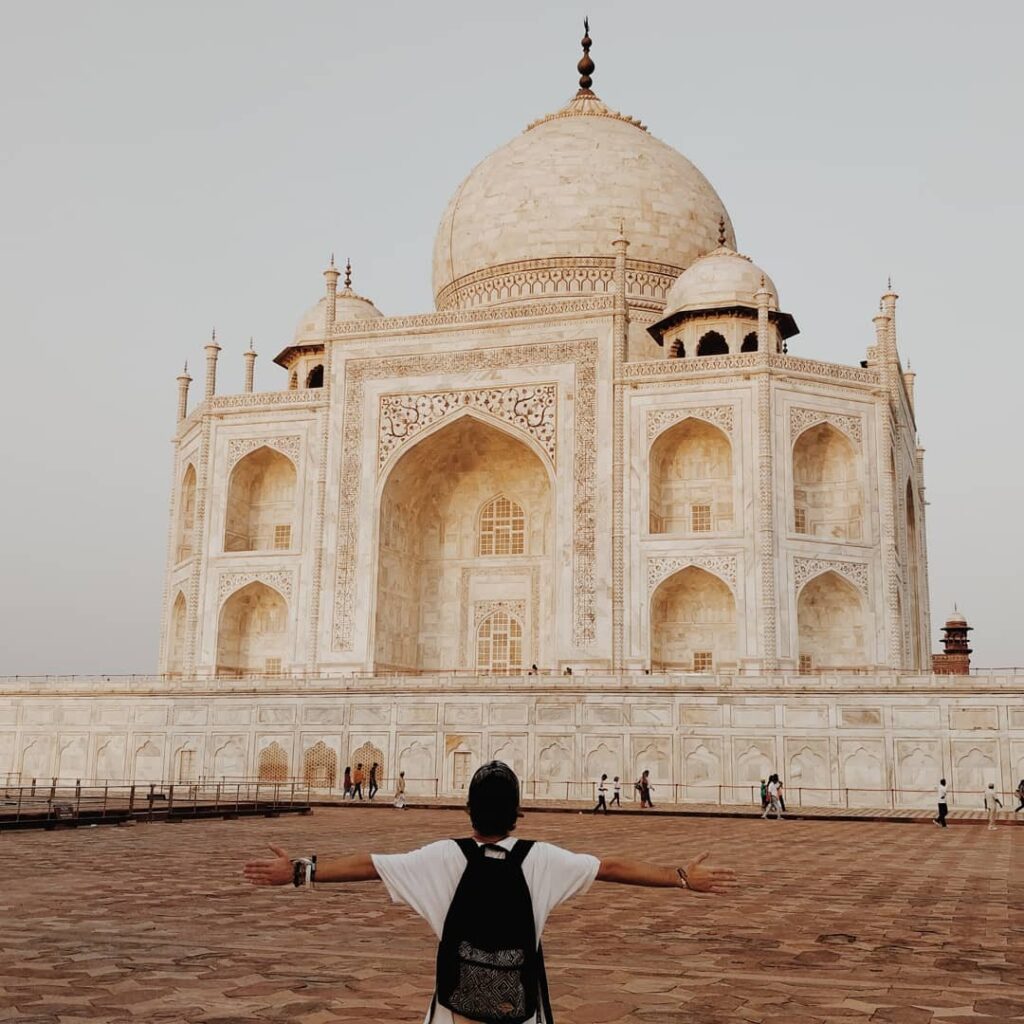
point(721, 278)
point(348, 306)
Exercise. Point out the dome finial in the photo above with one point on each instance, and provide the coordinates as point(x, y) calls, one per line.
point(586, 66)
point(348, 273)
point(721, 232)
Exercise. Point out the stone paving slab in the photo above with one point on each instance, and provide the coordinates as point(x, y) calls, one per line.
point(834, 923)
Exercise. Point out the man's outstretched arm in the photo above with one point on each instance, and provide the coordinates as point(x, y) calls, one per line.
point(698, 876)
point(356, 867)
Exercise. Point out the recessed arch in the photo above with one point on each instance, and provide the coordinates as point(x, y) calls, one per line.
point(176, 635)
point(749, 342)
point(827, 490)
point(693, 623)
point(431, 566)
point(261, 502)
point(831, 624)
point(690, 479)
point(253, 632)
point(712, 344)
point(499, 645)
point(315, 377)
point(501, 527)
point(913, 557)
point(184, 543)
point(677, 349)
point(273, 764)
point(320, 766)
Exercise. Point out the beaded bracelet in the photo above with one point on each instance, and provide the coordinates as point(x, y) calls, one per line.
point(683, 880)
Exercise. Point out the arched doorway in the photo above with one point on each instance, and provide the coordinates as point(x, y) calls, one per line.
point(186, 515)
point(466, 524)
point(693, 623)
point(253, 636)
point(831, 624)
point(827, 497)
point(690, 477)
point(261, 503)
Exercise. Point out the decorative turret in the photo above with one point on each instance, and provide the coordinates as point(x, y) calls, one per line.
point(955, 659)
point(331, 276)
point(212, 350)
point(183, 382)
point(250, 366)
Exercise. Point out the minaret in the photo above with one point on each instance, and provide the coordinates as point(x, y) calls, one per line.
point(955, 659)
point(212, 350)
point(250, 366)
point(331, 278)
point(762, 297)
point(183, 382)
point(908, 382)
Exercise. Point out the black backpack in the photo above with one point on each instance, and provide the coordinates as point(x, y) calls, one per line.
point(489, 965)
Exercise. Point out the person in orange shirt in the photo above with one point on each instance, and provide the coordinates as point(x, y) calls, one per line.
point(358, 778)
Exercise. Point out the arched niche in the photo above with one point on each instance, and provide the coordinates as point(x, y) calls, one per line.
point(914, 580)
point(693, 623)
point(499, 645)
point(261, 503)
point(315, 377)
point(184, 543)
point(831, 624)
point(252, 634)
point(320, 766)
point(677, 350)
point(432, 565)
point(827, 493)
point(176, 636)
point(712, 344)
point(273, 764)
point(690, 478)
point(749, 342)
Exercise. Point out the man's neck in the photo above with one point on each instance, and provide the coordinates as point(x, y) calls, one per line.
point(489, 839)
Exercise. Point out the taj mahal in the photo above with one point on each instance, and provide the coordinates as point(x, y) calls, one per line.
point(601, 510)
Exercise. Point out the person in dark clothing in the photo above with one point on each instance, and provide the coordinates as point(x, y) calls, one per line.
point(943, 806)
point(1020, 797)
point(643, 786)
point(372, 789)
point(602, 790)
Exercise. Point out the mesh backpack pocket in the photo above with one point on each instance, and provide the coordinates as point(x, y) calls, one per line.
point(489, 966)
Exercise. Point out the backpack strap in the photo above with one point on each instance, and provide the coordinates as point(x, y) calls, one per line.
point(469, 848)
point(518, 852)
point(542, 978)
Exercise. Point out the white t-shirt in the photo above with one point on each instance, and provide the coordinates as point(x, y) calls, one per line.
point(942, 793)
point(773, 790)
point(426, 880)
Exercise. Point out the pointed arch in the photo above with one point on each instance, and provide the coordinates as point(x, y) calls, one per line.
point(184, 540)
point(315, 377)
point(827, 491)
point(712, 343)
point(831, 624)
point(693, 623)
point(253, 632)
point(176, 635)
point(677, 349)
point(913, 560)
point(320, 766)
point(261, 502)
point(749, 342)
point(273, 764)
point(499, 644)
point(690, 479)
point(501, 527)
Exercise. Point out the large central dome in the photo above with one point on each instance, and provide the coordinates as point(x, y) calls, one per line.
point(537, 218)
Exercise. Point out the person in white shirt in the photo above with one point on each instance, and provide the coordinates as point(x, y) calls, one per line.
point(943, 806)
point(992, 805)
point(602, 793)
point(773, 798)
point(617, 792)
point(426, 879)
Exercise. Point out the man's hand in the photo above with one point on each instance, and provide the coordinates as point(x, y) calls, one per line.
point(278, 871)
point(703, 877)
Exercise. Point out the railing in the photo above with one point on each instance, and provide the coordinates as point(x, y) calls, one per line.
point(56, 801)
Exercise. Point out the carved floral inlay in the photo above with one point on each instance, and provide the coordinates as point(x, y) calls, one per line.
point(481, 609)
point(238, 448)
point(805, 569)
point(723, 566)
point(801, 419)
point(530, 407)
point(660, 419)
point(229, 582)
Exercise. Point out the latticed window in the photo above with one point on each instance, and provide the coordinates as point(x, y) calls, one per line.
point(700, 518)
point(320, 766)
point(502, 527)
point(282, 537)
point(499, 644)
point(273, 764)
point(702, 661)
point(800, 520)
point(806, 664)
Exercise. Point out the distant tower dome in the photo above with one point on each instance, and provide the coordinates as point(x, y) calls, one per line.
point(537, 217)
point(349, 306)
point(955, 659)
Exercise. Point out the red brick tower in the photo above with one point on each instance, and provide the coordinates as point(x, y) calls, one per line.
point(955, 659)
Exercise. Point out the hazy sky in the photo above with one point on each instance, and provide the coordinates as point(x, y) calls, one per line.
point(169, 167)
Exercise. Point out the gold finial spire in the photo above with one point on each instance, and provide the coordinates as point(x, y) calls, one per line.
point(348, 273)
point(213, 334)
point(721, 233)
point(586, 66)
point(185, 371)
point(251, 349)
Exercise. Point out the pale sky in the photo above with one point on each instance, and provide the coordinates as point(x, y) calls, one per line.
point(169, 167)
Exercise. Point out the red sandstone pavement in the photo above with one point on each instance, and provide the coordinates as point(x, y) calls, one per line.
point(835, 922)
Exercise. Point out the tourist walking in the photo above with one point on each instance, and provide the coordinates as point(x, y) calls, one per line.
point(992, 805)
point(617, 792)
point(358, 778)
point(400, 791)
point(643, 787)
point(602, 792)
point(764, 794)
point(773, 798)
point(347, 783)
point(1020, 797)
point(372, 790)
point(523, 882)
point(779, 793)
point(943, 806)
